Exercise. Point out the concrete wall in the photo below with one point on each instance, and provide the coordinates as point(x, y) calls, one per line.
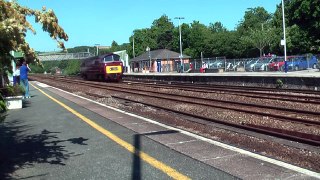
point(311, 83)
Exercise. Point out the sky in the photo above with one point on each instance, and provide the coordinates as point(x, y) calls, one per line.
point(101, 21)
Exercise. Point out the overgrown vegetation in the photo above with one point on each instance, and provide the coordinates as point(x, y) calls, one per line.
point(10, 90)
point(3, 107)
point(279, 84)
point(67, 67)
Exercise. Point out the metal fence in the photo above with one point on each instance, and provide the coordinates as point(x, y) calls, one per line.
point(268, 63)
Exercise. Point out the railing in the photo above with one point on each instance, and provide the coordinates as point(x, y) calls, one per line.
point(63, 56)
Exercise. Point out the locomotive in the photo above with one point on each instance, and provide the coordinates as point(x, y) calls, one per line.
point(107, 67)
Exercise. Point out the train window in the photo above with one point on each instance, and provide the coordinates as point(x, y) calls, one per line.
point(112, 57)
point(107, 59)
point(116, 57)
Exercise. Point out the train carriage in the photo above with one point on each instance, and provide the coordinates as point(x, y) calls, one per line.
point(107, 67)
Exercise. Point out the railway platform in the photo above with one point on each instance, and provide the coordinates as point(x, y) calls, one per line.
point(306, 79)
point(59, 135)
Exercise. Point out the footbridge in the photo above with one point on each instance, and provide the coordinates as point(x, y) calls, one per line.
point(63, 56)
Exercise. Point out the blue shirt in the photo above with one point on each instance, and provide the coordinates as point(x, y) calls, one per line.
point(24, 72)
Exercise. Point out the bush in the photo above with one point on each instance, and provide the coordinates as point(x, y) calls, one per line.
point(9, 90)
point(73, 67)
point(67, 67)
point(279, 84)
point(3, 106)
point(36, 68)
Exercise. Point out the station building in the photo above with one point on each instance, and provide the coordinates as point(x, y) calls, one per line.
point(161, 60)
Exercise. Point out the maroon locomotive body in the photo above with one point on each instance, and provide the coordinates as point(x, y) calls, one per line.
point(107, 67)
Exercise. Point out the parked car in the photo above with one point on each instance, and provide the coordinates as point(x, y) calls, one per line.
point(263, 63)
point(302, 62)
point(250, 65)
point(217, 64)
point(277, 64)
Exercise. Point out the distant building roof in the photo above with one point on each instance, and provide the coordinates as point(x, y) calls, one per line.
point(158, 54)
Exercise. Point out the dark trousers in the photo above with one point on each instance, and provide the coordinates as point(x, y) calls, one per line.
point(16, 80)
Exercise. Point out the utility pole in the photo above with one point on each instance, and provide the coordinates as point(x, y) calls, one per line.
point(284, 42)
point(181, 57)
point(134, 55)
point(97, 45)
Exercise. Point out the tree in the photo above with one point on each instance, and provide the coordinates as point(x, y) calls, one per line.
point(13, 28)
point(259, 38)
point(305, 14)
point(197, 37)
point(163, 31)
point(302, 26)
point(142, 39)
point(217, 27)
point(253, 19)
point(224, 44)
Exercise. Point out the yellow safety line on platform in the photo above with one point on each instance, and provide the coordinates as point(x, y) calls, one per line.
point(152, 161)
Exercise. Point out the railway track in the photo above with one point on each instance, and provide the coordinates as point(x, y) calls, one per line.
point(246, 88)
point(308, 117)
point(267, 93)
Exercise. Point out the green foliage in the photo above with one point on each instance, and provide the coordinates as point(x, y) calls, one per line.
point(14, 25)
point(163, 32)
point(9, 90)
point(73, 67)
point(197, 37)
point(3, 106)
point(259, 38)
point(253, 19)
point(279, 84)
point(306, 14)
point(36, 68)
point(303, 27)
point(68, 67)
point(48, 65)
point(217, 27)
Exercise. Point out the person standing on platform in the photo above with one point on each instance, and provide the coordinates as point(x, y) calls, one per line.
point(16, 76)
point(24, 69)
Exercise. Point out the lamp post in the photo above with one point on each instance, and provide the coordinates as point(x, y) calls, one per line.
point(97, 45)
point(148, 50)
point(284, 43)
point(133, 53)
point(180, 42)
